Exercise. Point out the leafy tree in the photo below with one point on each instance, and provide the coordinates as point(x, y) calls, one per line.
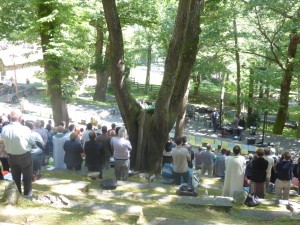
point(277, 26)
point(149, 129)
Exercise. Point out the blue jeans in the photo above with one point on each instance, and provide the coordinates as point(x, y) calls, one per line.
point(177, 177)
point(37, 159)
point(121, 169)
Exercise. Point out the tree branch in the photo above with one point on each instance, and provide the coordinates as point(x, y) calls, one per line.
point(271, 41)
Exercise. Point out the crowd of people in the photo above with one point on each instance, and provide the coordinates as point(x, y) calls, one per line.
point(27, 145)
point(259, 173)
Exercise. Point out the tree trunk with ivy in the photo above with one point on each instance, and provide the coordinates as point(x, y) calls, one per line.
point(148, 129)
point(52, 65)
point(285, 85)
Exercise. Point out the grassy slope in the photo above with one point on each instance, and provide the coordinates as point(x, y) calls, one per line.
point(47, 215)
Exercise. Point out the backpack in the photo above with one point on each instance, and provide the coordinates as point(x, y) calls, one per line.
point(186, 190)
point(108, 184)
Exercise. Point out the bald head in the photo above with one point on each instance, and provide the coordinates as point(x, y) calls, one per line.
point(15, 115)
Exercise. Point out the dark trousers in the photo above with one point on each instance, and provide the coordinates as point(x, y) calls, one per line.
point(74, 167)
point(97, 168)
point(5, 164)
point(177, 177)
point(22, 164)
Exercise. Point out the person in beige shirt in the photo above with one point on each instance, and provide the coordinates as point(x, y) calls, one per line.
point(180, 157)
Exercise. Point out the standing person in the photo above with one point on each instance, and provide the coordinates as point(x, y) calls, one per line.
point(207, 159)
point(3, 155)
point(284, 170)
point(37, 151)
point(234, 173)
point(219, 166)
point(167, 153)
point(85, 134)
point(189, 148)
point(198, 160)
point(39, 128)
point(99, 130)
point(259, 174)
point(95, 154)
point(270, 160)
point(58, 148)
point(121, 148)
point(180, 157)
point(73, 150)
point(214, 119)
point(18, 144)
point(104, 139)
point(113, 128)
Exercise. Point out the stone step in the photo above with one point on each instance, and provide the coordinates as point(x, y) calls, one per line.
point(64, 186)
point(217, 201)
point(168, 221)
point(109, 208)
point(108, 195)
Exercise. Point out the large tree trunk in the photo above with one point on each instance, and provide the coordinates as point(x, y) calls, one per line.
point(238, 67)
point(52, 66)
point(148, 130)
point(285, 85)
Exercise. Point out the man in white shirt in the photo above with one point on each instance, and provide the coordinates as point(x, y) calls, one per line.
point(270, 160)
point(18, 143)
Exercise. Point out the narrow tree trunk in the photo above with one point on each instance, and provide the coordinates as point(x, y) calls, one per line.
point(250, 95)
point(238, 67)
point(197, 82)
point(101, 66)
point(285, 85)
point(261, 90)
point(98, 61)
point(222, 94)
point(149, 59)
point(102, 78)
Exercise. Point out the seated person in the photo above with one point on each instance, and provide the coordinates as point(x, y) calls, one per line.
point(167, 173)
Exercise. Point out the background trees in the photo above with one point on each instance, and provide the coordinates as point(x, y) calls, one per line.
point(248, 47)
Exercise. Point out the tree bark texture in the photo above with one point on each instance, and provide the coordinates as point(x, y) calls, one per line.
point(149, 60)
point(101, 65)
point(181, 118)
point(149, 129)
point(52, 65)
point(197, 82)
point(285, 85)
